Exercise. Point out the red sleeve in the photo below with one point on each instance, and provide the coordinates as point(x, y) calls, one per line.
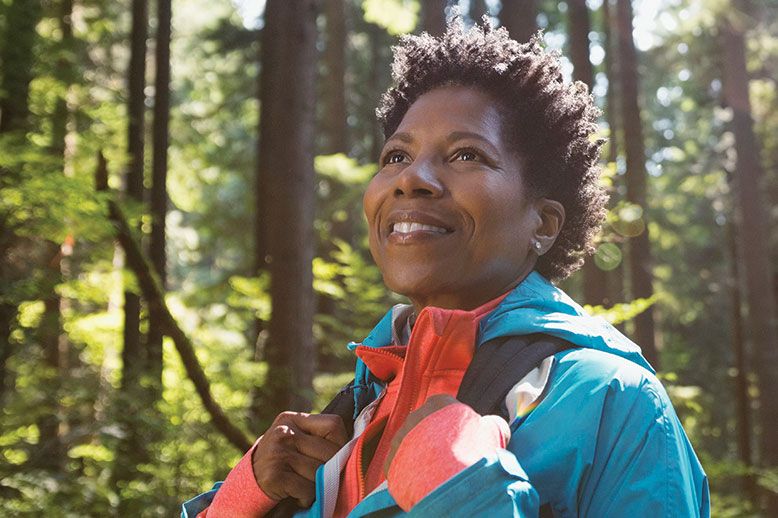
point(240, 496)
point(440, 446)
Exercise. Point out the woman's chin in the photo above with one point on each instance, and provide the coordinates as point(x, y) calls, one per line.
point(420, 290)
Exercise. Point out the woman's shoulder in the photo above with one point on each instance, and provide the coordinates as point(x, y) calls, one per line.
point(603, 415)
point(598, 386)
point(597, 370)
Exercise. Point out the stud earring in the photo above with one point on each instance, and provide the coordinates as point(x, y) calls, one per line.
point(537, 246)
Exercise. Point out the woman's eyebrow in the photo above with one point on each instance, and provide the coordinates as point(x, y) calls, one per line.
point(452, 137)
point(465, 135)
point(402, 136)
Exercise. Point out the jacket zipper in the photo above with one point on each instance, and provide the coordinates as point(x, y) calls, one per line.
point(360, 459)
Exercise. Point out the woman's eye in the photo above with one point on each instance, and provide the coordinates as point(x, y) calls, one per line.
point(467, 155)
point(394, 158)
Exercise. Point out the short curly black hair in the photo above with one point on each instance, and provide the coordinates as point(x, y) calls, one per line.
point(551, 124)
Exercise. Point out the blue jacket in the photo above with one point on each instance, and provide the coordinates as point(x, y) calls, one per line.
point(604, 440)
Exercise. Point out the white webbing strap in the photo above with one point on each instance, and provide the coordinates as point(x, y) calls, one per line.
point(335, 465)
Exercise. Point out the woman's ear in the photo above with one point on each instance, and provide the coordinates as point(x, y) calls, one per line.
point(552, 217)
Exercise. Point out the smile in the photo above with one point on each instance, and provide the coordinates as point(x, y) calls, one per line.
point(408, 227)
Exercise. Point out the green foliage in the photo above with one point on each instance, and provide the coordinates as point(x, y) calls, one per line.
point(251, 293)
point(327, 385)
point(623, 312)
point(344, 170)
point(396, 16)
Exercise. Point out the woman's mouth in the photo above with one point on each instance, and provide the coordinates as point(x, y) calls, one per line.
point(412, 227)
point(408, 227)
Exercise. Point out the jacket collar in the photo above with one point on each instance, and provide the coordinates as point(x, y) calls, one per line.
point(537, 306)
point(534, 306)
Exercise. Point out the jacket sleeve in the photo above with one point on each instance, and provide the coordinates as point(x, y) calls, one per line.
point(645, 465)
point(453, 454)
point(239, 496)
point(633, 459)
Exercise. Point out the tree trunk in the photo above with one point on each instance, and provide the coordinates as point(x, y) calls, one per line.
point(335, 127)
point(50, 452)
point(578, 30)
point(334, 123)
point(753, 237)
point(520, 18)
point(377, 45)
point(268, 85)
point(616, 276)
point(433, 16)
point(287, 122)
point(131, 450)
point(7, 324)
point(132, 354)
point(22, 17)
point(21, 20)
point(52, 339)
point(579, 26)
point(742, 399)
point(641, 280)
point(159, 198)
point(610, 63)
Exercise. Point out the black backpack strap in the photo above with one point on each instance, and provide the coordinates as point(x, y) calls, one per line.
point(501, 363)
point(343, 405)
point(497, 366)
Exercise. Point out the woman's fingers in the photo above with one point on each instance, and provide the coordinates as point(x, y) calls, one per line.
point(289, 453)
point(315, 447)
point(316, 436)
point(304, 465)
point(326, 426)
point(297, 487)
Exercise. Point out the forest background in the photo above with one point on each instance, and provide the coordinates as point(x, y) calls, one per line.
point(154, 183)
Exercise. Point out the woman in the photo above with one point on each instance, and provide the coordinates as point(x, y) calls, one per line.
point(487, 189)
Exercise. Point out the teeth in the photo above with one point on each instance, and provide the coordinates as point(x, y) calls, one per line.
point(407, 227)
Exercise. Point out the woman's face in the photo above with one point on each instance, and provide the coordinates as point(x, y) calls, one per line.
point(450, 221)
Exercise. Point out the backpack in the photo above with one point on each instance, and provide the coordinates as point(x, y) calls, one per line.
point(496, 367)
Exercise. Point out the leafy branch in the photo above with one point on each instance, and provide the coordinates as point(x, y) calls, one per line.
point(152, 291)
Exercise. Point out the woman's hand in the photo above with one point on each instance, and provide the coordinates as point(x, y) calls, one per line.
point(430, 406)
point(289, 453)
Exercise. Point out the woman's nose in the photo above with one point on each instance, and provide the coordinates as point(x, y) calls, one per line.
point(420, 178)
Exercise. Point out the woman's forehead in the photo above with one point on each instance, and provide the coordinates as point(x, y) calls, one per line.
point(452, 112)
